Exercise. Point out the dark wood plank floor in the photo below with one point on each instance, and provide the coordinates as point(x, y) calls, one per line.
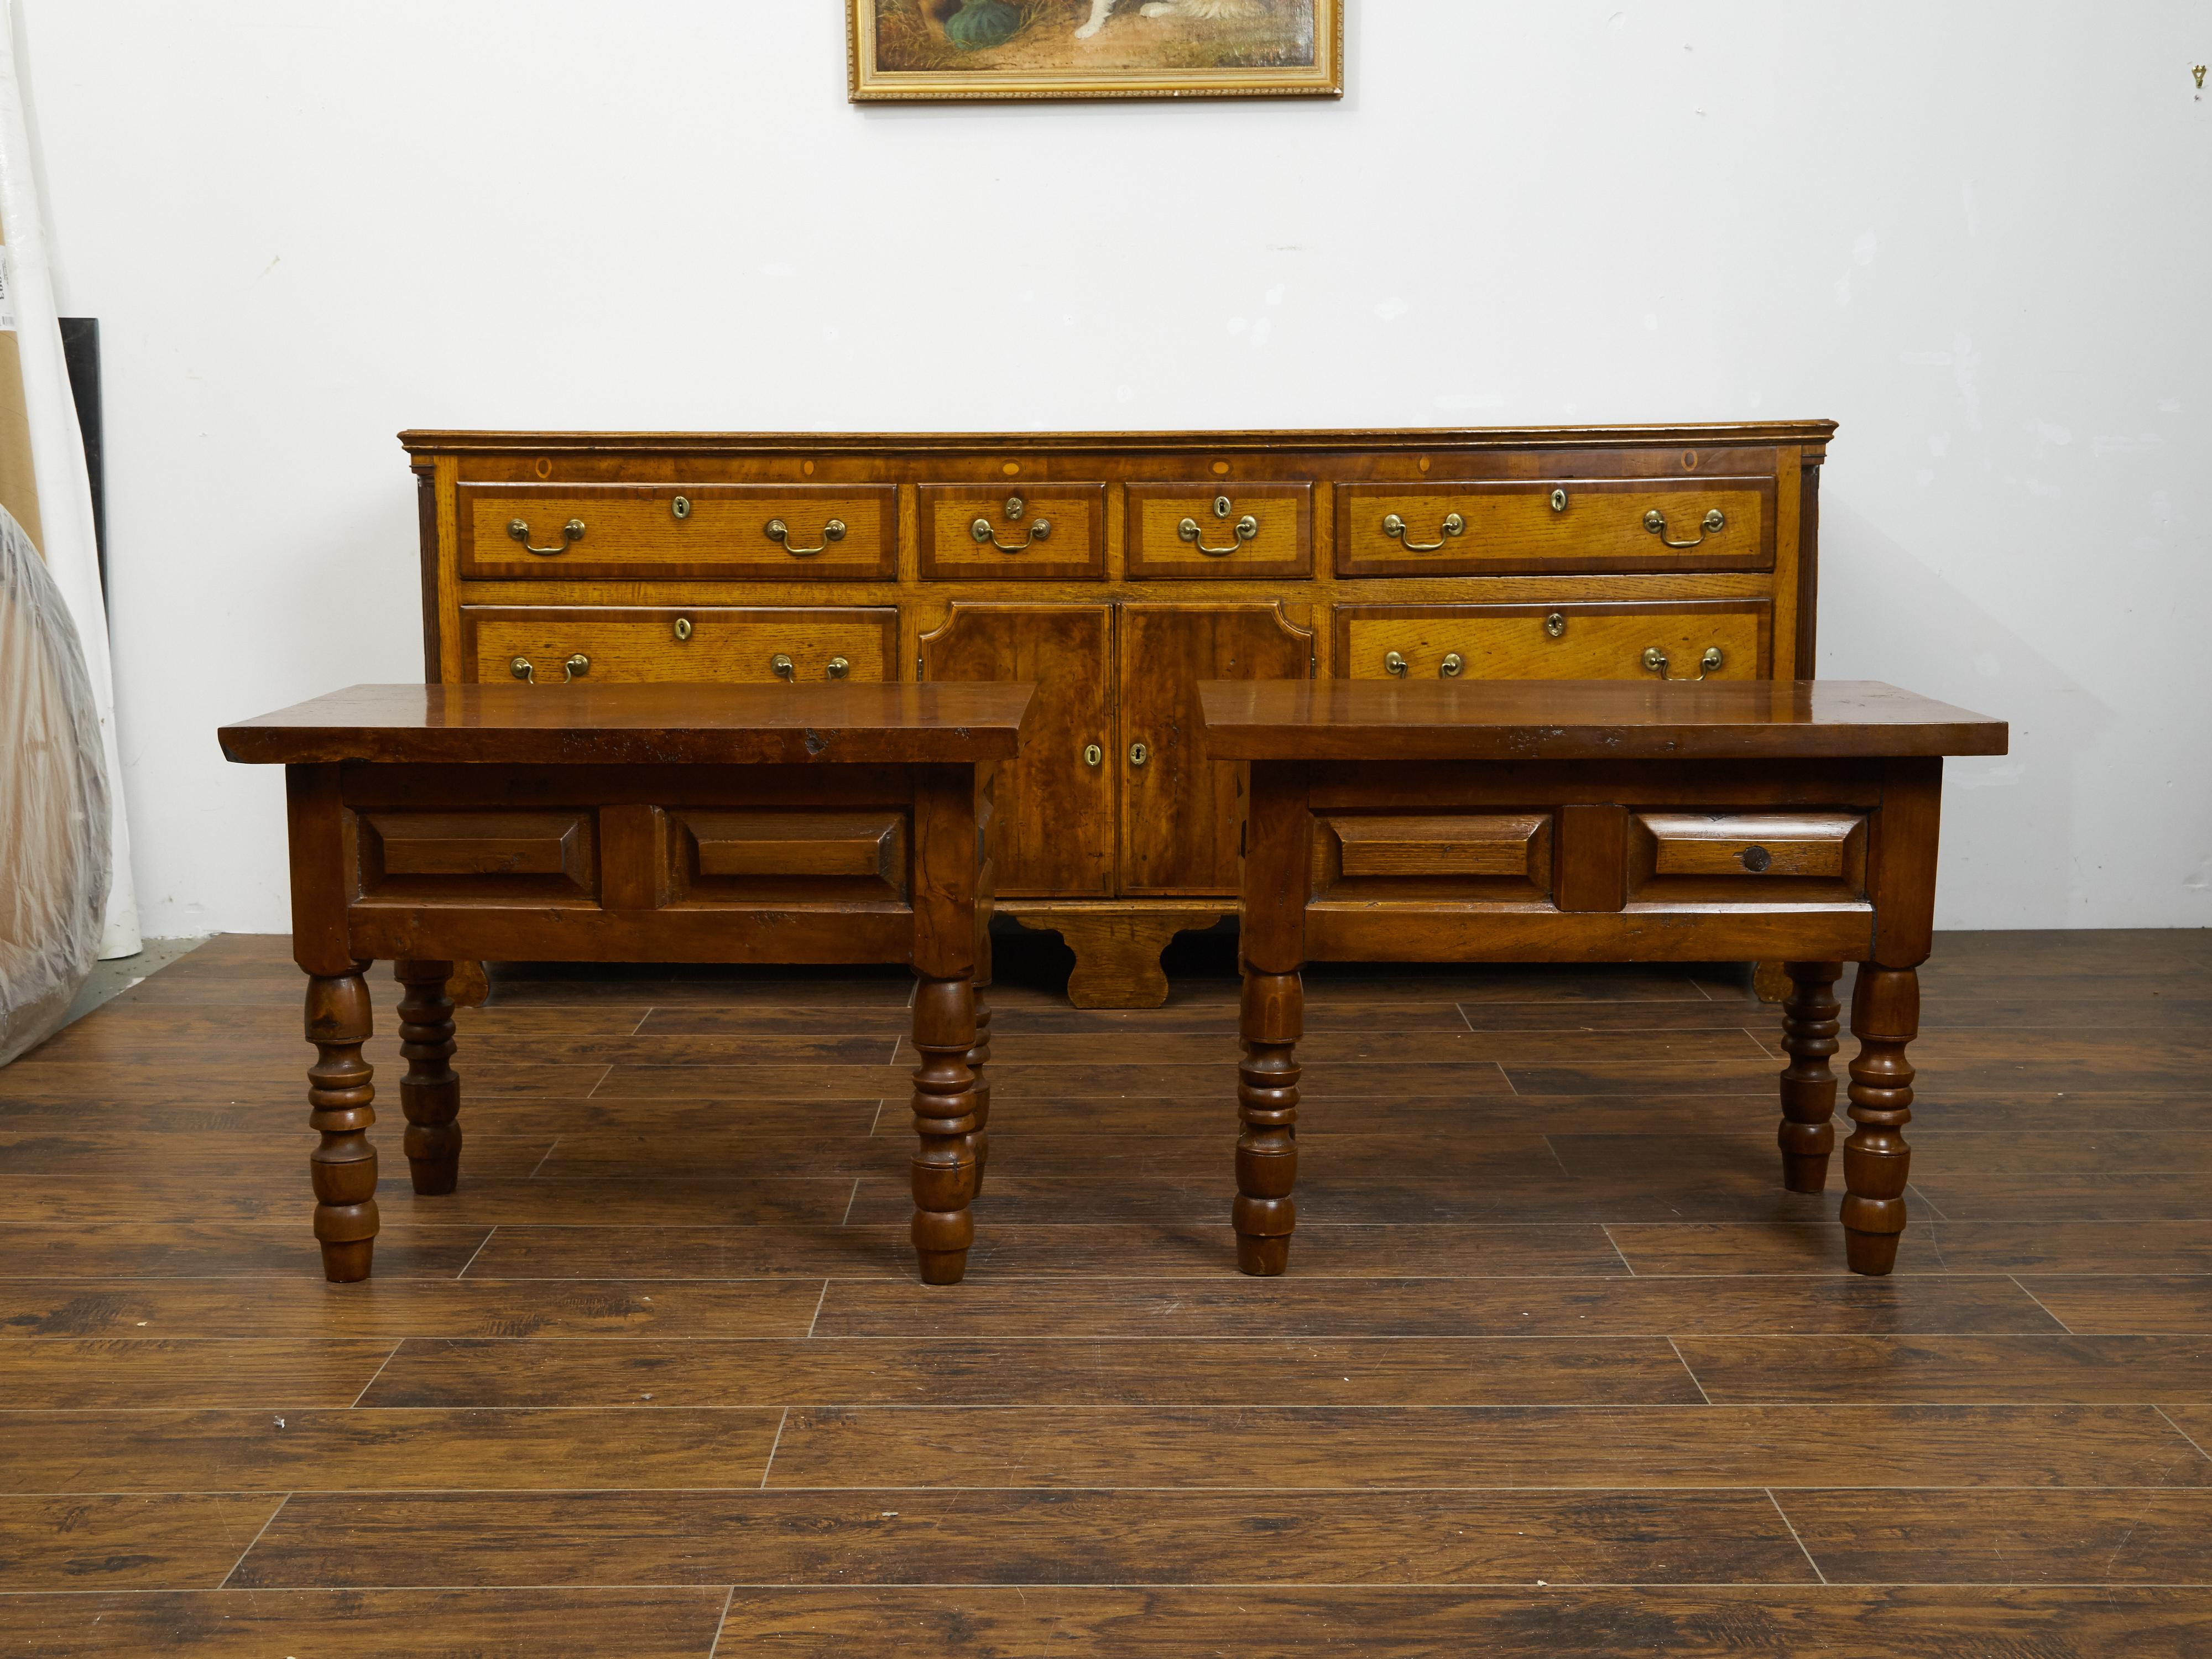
point(1559, 1368)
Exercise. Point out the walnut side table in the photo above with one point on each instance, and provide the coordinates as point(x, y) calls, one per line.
point(591, 822)
point(1598, 821)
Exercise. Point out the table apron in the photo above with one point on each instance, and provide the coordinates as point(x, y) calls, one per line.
point(544, 932)
point(1410, 931)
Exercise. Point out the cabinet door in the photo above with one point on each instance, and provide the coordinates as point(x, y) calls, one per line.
point(1054, 823)
point(1180, 810)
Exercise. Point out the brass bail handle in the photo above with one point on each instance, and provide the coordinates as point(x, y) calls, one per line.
point(778, 530)
point(1039, 530)
point(573, 669)
point(1394, 663)
point(572, 531)
point(1395, 528)
point(1656, 522)
point(1654, 661)
point(1244, 530)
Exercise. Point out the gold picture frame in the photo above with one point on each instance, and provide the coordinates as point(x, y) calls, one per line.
point(936, 51)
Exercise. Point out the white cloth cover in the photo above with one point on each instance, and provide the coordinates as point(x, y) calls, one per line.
point(58, 461)
point(53, 803)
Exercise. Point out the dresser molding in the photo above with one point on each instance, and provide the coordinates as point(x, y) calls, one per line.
point(936, 568)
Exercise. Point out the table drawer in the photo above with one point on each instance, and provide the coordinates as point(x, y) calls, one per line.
point(1677, 639)
point(1039, 532)
point(1498, 527)
point(713, 643)
point(1378, 856)
point(765, 532)
point(1747, 858)
point(1201, 532)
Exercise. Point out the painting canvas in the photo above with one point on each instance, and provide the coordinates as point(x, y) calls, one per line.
point(938, 49)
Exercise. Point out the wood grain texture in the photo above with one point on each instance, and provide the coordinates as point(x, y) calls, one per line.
point(1035, 1537)
point(534, 1624)
point(1584, 720)
point(1651, 1446)
point(2000, 1445)
point(1907, 1622)
point(156, 1540)
point(1644, 536)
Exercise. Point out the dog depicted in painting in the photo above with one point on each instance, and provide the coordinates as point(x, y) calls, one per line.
point(1205, 10)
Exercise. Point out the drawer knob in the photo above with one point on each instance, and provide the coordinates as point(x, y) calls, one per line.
point(1559, 500)
point(576, 667)
point(837, 668)
point(684, 628)
point(1755, 860)
point(571, 532)
point(780, 531)
point(783, 668)
point(521, 670)
point(1138, 754)
point(1449, 667)
point(1656, 522)
point(1093, 754)
point(982, 530)
point(680, 506)
point(1245, 529)
point(1654, 661)
point(1394, 663)
point(1556, 623)
point(1395, 528)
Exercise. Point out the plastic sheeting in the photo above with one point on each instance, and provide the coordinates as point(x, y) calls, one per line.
point(53, 803)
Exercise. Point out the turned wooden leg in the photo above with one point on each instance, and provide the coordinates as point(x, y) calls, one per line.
point(339, 1090)
point(430, 1094)
point(1809, 1024)
point(979, 1057)
point(945, 1119)
point(1272, 1019)
point(1885, 1018)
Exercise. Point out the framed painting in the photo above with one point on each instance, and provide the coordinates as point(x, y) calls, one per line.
point(982, 49)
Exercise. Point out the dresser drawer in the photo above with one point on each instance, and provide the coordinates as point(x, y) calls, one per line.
point(719, 643)
point(1205, 530)
point(1498, 527)
point(1040, 532)
point(762, 532)
point(1576, 641)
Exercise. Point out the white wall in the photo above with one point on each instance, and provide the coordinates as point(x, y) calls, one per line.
point(1975, 232)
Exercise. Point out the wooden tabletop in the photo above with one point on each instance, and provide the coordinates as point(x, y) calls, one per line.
point(1581, 719)
point(584, 724)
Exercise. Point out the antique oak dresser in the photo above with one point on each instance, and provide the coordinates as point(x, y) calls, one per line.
point(1116, 571)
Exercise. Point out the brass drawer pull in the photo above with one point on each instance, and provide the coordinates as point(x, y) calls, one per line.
point(982, 530)
point(576, 668)
point(571, 531)
point(1394, 663)
point(1245, 529)
point(1093, 754)
point(684, 628)
point(1556, 623)
point(1656, 522)
point(1654, 661)
point(783, 668)
point(780, 531)
point(1138, 754)
point(837, 668)
point(1394, 527)
point(1449, 669)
